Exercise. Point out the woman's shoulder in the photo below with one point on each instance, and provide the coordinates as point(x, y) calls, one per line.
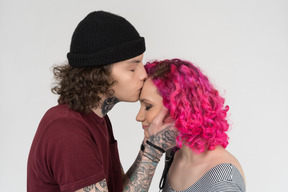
point(222, 156)
point(225, 176)
point(221, 177)
point(225, 169)
point(223, 172)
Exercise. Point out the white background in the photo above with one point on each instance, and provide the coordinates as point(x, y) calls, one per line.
point(241, 45)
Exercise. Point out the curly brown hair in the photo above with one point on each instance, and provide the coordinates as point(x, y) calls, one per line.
point(81, 88)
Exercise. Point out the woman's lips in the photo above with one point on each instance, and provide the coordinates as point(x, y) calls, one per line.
point(145, 126)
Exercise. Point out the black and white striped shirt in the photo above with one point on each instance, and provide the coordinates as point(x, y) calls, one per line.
point(221, 178)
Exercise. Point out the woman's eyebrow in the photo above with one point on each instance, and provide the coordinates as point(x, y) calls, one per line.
point(144, 100)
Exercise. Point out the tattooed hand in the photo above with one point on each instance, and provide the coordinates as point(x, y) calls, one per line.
point(162, 135)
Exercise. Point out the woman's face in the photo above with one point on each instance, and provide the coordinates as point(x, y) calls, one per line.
point(151, 103)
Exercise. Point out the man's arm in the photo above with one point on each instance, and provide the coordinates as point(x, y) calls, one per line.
point(101, 186)
point(139, 176)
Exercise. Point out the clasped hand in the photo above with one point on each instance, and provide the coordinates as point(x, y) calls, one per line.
point(162, 131)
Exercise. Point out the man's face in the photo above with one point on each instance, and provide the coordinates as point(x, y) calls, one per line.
point(130, 76)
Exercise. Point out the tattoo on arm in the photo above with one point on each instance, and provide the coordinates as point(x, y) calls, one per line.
point(101, 186)
point(103, 183)
point(141, 172)
point(140, 175)
point(134, 166)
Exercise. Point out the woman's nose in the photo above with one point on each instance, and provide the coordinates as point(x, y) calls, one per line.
point(140, 117)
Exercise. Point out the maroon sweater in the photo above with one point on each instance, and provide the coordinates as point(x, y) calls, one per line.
point(72, 150)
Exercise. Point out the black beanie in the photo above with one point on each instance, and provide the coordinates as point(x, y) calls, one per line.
point(103, 38)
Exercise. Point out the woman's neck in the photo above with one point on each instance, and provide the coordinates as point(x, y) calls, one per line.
point(188, 156)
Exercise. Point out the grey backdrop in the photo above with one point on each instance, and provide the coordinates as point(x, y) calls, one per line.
point(241, 45)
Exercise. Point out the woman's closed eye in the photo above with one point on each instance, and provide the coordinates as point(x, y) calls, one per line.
point(147, 107)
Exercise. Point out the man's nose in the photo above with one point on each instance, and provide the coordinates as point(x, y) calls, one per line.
point(143, 74)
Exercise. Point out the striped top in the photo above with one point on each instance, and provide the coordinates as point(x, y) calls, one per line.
point(222, 177)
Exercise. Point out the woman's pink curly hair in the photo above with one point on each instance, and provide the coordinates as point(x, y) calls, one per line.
point(194, 104)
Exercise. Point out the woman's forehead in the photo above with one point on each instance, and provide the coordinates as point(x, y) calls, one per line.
point(149, 90)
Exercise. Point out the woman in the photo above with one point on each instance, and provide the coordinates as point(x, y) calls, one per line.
point(199, 162)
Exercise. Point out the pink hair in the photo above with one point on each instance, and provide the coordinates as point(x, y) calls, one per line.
point(194, 104)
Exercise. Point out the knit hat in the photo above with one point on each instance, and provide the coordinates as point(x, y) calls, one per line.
point(103, 38)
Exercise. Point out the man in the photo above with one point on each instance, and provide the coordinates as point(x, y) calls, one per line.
point(74, 148)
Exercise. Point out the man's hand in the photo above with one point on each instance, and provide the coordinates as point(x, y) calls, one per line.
point(162, 131)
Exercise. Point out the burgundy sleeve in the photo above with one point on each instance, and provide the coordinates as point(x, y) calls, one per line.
point(70, 155)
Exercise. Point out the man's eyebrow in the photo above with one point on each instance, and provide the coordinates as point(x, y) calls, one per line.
point(134, 61)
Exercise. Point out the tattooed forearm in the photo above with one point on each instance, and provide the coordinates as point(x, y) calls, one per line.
point(140, 174)
point(108, 104)
point(134, 166)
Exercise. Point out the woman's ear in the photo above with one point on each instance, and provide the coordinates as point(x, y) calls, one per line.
point(168, 119)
